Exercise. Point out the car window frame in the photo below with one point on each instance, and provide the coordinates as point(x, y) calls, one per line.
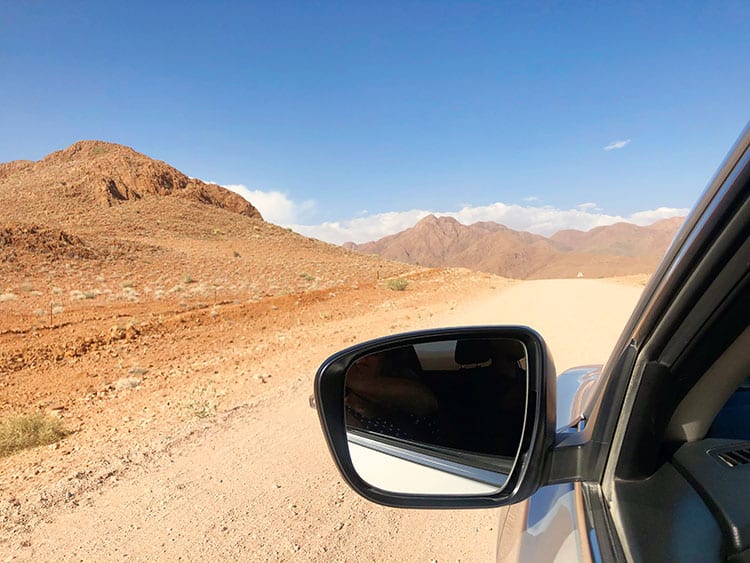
point(651, 330)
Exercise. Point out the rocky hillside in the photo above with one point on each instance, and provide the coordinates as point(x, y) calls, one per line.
point(101, 222)
point(95, 174)
point(620, 249)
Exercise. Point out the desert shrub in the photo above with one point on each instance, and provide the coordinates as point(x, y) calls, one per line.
point(8, 296)
point(204, 401)
point(307, 277)
point(203, 408)
point(23, 431)
point(187, 278)
point(398, 284)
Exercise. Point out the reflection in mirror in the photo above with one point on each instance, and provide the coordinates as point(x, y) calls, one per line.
point(441, 417)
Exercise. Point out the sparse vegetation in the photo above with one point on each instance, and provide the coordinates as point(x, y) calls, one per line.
point(129, 294)
point(398, 284)
point(307, 277)
point(236, 254)
point(8, 296)
point(23, 431)
point(188, 278)
point(204, 401)
point(77, 295)
point(203, 408)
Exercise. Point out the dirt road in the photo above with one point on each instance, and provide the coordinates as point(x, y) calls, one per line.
point(255, 482)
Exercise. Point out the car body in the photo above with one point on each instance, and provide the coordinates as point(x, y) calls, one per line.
point(646, 458)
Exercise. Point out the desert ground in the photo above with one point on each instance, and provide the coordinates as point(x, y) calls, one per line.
point(190, 433)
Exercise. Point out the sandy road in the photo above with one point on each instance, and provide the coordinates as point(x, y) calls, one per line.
point(257, 482)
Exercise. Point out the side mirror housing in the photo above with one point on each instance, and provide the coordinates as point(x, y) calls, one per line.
point(444, 418)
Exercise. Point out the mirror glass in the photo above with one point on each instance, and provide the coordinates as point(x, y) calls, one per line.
point(441, 417)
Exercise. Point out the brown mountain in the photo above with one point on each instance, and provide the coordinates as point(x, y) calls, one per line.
point(443, 241)
point(621, 239)
point(619, 249)
point(96, 174)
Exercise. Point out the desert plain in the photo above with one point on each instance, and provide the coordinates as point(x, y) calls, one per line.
point(176, 341)
point(212, 450)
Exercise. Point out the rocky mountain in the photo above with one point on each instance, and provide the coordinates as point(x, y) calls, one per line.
point(621, 239)
point(99, 175)
point(619, 249)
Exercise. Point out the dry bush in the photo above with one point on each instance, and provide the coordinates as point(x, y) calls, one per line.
point(23, 431)
point(204, 401)
point(398, 284)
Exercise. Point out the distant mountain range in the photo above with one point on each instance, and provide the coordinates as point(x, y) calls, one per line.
point(103, 201)
point(614, 250)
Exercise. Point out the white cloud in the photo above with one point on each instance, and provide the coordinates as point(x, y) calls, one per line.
point(587, 206)
point(530, 199)
point(274, 206)
point(653, 215)
point(544, 220)
point(363, 229)
point(617, 145)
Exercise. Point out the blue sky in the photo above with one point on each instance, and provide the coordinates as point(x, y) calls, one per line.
point(350, 120)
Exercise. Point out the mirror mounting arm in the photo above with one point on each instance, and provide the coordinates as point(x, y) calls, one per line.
point(566, 461)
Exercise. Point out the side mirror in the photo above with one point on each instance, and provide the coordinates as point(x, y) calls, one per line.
point(449, 418)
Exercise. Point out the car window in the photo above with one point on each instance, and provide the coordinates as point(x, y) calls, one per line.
point(733, 420)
